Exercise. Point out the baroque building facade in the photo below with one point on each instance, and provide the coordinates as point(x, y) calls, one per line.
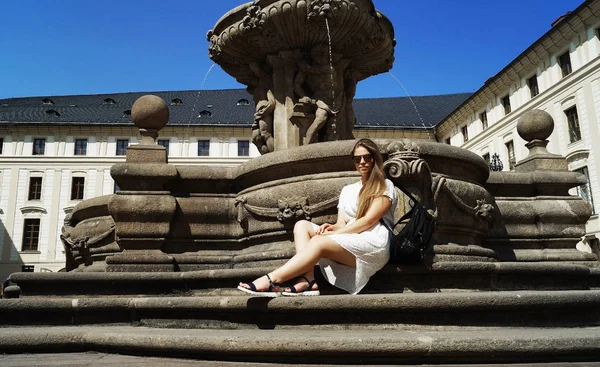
point(559, 74)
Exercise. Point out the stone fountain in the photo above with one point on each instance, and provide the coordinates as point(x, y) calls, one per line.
point(503, 280)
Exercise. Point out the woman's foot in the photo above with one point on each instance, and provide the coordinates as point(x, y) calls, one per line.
point(262, 286)
point(303, 287)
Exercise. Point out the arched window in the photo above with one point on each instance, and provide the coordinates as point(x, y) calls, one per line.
point(205, 113)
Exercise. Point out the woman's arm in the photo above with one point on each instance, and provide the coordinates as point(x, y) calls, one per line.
point(377, 210)
point(329, 228)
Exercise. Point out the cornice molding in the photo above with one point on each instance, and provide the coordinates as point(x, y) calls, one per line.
point(33, 210)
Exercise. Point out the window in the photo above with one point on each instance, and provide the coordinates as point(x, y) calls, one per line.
point(80, 146)
point(176, 102)
point(77, 187)
point(27, 268)
point(203, 148)
point(47, 101)
point(164, 143)
point(31, 235)
point(510, 150)
point(108, 101)
point(53, 113)
point(205, 113)
point(116, 187)
point(564, 61)
point(573, 122)
point(122, 146)
point(243, 102)
point(465, 133)
point(243, 148)
point(506, 104)
point(534, 90)
point(35, 188)
point(486, 158)
point(484, 121)
point(447, 141)
point(585, 190)
point(39, 146)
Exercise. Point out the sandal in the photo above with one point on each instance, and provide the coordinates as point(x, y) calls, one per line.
point(270, 292)
point(308, 292)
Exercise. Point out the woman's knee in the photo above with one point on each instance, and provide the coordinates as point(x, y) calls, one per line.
point(302, 226)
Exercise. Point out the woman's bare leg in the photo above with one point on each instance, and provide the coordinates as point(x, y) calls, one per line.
point(303, 262)
point(303, 232)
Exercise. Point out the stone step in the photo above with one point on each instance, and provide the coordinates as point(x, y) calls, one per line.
point(341, 312)
point(391, 279)
point(410, 346)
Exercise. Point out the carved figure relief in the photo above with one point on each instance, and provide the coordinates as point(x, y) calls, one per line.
point(294, 209)
point(321, 85)
point(262, 127)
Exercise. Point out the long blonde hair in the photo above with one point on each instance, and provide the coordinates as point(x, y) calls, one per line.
point(375, 185)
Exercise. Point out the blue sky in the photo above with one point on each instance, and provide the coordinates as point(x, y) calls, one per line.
point(88, 47)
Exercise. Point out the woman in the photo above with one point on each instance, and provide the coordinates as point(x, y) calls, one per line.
point(350, 251)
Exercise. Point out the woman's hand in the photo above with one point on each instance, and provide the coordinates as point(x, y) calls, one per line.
point(325, 229)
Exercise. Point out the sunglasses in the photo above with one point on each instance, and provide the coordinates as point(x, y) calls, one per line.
point(358, 158)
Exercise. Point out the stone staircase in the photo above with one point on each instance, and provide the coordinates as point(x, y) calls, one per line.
point(201, 315)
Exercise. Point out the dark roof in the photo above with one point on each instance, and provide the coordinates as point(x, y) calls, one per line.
point(216, 107)
point(406, 112)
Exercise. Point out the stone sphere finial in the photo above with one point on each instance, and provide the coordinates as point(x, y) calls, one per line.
point(150, 112)
point(535, 125)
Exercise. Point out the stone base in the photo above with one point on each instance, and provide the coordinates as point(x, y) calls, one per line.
point(340, 347)
point(140, 261)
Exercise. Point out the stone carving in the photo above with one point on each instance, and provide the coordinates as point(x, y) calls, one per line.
point(293, 210)
point(213, 49)
point(321, 85)
point(322, 8)
point(79, 238)
point(262, 128)
point(482, 210)
point(405, 167)
point(485, 210)
point(255, 17)
point(288, 211)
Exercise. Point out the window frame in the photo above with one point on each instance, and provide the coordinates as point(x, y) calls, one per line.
point(34, 192)
point(565, 64)
point(35, 150)
point(505, 101)
point(585, 171)
point(120, 149)
point(202, 149)
point(484, 120)
point(76, 193)
point(573, 125)
point(510, 153)
point(534, 88)
point(77, 151)
point(241, 144)
point(465, 133)
point(31, 235)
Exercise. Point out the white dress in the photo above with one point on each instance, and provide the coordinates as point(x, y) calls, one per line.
point(370, 247)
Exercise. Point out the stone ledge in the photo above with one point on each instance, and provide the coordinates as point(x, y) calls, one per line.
point(557, 308)
point(473, 345)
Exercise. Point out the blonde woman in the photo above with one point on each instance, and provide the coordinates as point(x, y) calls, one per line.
point(348, 252)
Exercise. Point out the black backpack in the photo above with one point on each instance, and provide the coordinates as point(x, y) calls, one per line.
point(410, 245)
